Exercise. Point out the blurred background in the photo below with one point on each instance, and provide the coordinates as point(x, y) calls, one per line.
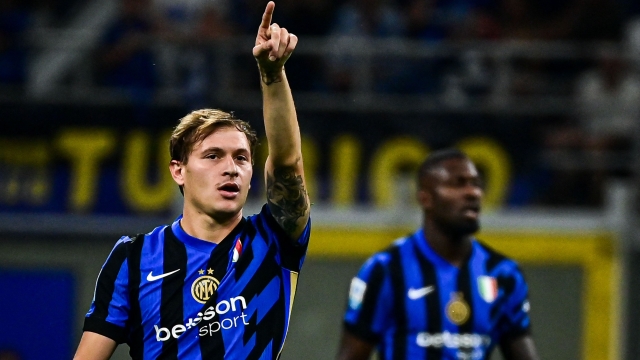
point(544, 95)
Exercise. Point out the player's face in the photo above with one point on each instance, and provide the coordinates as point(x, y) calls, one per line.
point(218, 173)
point(456, 195)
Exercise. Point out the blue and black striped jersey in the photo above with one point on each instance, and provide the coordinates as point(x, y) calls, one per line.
point(415, 305)
point(172, 296)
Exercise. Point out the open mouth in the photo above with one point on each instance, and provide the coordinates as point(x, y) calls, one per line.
point(471, 211)
point(229, 190)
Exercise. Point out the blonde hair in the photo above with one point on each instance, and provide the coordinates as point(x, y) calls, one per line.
point(199, 124)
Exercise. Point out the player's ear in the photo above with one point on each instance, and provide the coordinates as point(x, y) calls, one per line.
point(176, 168)
point(424, 198)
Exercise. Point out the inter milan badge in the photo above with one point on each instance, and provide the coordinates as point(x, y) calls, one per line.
point(457, 309)
point(204, 287)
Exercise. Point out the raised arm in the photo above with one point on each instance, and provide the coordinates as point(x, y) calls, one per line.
point(287, 196)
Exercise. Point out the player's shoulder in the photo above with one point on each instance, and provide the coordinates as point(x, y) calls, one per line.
point(385, 256)
point(495, 259)
point(262, 219)
point(138, 239)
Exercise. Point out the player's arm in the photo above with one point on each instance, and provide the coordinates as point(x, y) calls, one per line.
point(287, 196)
point(353, 348)
point(369, 311)
point(519, 348)
point(110, 300)
point(95, 347)
point(517, 343)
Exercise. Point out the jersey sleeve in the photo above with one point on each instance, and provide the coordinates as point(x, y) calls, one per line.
point(515, 320)
point(291, 254)
point(109, 309)
point(369, 306)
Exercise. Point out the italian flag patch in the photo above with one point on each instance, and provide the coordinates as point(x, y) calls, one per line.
point(237, 251)
point(488, 288)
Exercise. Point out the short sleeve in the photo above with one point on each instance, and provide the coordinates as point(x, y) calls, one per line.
point(368, 312)
point(515, 319)
point(109, 309)
point(291, 254)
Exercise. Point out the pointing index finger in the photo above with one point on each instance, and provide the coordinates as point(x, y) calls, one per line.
point(266, 17)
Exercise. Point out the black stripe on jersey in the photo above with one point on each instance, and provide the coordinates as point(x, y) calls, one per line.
point(104, 293)
point(247, 255)
point(398, 286)
point(508, 284)
point(136, 337)
point(434, 312)
point(171, 306)
point(290, 251)
point(362, 327)
point(465, 287)
point(495, 258)
point(266, 331)
point(212, 347)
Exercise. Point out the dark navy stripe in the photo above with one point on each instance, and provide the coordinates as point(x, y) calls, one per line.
point(494, 259)
point(270, 329)
point(104, 328)
point(212, 347)
point(290, 250)
point(465, 288)
point(107, 279)
point(399, 346)
point(434, 306)
point(246, 257)
point(171, 306)
point(266, 331)
point(136, 338)
point(362, 327)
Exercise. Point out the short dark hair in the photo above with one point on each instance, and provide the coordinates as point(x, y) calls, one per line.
point(436, 158)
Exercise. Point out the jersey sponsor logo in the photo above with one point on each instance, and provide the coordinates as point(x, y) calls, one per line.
point(202, 320)
point(457, 309)
point(204, 287)
point(488, 288)
point(356, 293)
point(415, 294)
point(453, 340)
point(151, 277)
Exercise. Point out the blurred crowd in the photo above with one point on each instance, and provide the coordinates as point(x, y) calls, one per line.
point(124, 49)
point(604, 88)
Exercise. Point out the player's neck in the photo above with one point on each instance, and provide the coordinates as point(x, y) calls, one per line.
point(453, 248)
point(206, 227)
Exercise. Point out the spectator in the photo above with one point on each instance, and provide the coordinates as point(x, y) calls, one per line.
point(355, 22)
point(15, 20)
point(125, 59)
point(187, 28)
point(419, 75)
point(606, 119)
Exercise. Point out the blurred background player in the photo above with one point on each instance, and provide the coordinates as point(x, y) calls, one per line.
point(440, 293)
point(198, 288)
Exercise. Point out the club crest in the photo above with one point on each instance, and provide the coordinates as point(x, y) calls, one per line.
point(458, 310)
point(204, 286)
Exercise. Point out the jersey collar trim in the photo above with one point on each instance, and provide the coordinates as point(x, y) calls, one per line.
point(199, 244)
point(420, 240)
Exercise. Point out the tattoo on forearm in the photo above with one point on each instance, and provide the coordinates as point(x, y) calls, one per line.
point(287, 197)
point(271, 77)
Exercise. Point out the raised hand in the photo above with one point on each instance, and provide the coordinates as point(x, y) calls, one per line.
point(274, 46)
